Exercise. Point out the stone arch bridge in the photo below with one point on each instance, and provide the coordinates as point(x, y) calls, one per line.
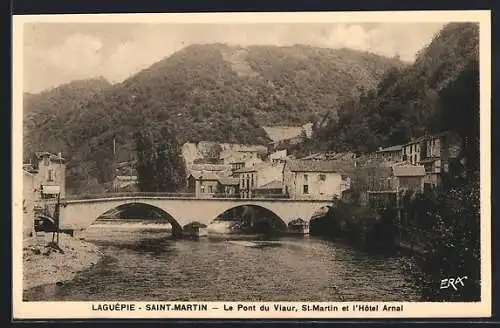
point(78, 214)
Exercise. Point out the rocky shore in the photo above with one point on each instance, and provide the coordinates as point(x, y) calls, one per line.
point(47, 263)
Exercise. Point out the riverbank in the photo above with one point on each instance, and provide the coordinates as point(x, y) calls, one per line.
point(45, 264)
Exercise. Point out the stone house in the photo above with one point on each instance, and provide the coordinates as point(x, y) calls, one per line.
point(44, 178)
point(125, 183)
point(29, 196)
point(438, 153)
point(257, 176)
point(392, 154)
point(316, 179)
point(203, 184)
point(49, 172)
point(209, 184)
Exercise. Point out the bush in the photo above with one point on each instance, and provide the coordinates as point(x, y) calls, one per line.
point(363, 226)
point(454, 245)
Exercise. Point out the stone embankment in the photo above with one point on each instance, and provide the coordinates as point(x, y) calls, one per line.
point(46, 263)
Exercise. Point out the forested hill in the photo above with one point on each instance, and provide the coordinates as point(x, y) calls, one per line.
point(438, 92)
point(209, 92)
point(66, 97)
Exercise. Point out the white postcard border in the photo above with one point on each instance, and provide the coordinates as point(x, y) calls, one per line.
point(69, 310)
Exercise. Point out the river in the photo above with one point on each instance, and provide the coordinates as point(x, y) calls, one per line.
point(146, 265)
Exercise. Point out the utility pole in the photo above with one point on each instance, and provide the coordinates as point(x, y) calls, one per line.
point(114, 164)
point(57, 215)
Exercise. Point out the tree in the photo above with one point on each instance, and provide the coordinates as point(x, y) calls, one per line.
point(160, 165)
point(454, 245)
point(460, 112)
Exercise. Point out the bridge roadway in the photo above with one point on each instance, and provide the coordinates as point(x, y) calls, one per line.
point(78, 214)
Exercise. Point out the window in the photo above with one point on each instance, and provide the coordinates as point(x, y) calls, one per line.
point(210, 189)
point(50, 174)
point(322, 177)
point(305, 188)
point(202, 189)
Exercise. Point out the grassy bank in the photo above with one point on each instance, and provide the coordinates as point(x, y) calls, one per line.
point(45, 263)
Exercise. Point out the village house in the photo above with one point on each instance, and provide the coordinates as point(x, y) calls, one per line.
point(209, 184)
point(219, 169)
point(272, 189)
point(279, 156)
point(386, 176)
point(125, 183)
point(257, 176)
point(437, 153)
point(408, 177)
point(29, 196)
point(228, 187)
point(126, 178)
point(231, 153)
point(393, 153)
point(380, 182)
point(244, 160)
point(203, 184)
point(316, 179)
point(43, 178)
point(49, 171)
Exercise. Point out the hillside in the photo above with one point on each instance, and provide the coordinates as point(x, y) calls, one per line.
point(209, 92)
point(410, 101)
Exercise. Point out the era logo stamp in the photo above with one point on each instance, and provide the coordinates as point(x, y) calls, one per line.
point(453, 282)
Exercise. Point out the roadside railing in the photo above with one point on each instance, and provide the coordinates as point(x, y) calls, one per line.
point(172, 195)
point(130, 194)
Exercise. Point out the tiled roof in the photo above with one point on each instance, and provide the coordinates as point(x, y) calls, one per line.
point(209, 167)
point(229, 181)
point(339, 166)
point(25, 171)
point(392, 148)
point(408, 170)
point(207, 175)
point(275, 184)
point(429, 136)
point(331, 156)
point(254, 168)
point(314, 156)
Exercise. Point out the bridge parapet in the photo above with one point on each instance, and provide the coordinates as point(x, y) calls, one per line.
point(164, 195)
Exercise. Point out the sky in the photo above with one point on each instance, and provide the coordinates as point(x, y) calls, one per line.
point(58, 53)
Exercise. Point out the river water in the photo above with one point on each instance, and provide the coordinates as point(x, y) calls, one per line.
point(146, 265)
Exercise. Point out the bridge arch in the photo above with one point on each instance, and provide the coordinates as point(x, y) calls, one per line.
point(140, 210)
point(254, 216)
point(78, 214)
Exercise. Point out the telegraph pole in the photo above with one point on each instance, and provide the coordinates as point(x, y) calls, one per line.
point(114, 164)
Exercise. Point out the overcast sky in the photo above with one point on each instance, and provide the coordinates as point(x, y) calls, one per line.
point(57, 53)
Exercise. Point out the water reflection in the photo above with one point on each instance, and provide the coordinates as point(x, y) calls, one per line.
point(149, 265)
